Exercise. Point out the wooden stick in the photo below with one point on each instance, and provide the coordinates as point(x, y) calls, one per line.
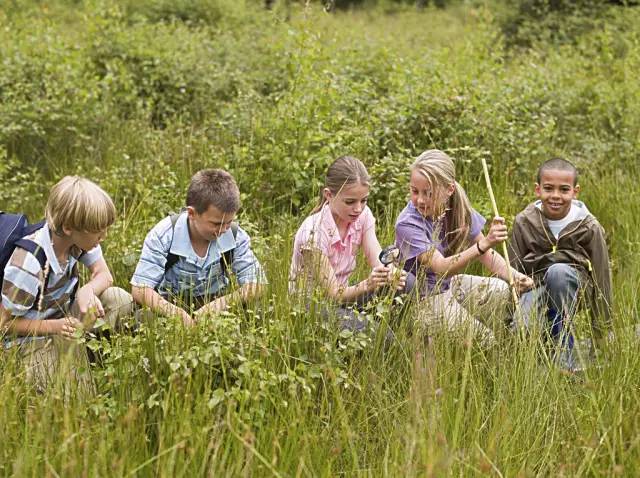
point(505, 252)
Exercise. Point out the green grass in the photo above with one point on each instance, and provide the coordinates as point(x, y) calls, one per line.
point(139, 95)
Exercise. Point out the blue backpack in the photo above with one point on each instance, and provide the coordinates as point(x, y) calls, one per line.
point(13, 229)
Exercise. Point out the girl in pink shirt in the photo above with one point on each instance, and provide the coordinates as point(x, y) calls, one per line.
point(327, 242)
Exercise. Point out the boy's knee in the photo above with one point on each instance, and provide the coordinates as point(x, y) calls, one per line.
point(559, 275)
point(117, 299)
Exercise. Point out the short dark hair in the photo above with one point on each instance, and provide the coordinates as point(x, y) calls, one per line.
point(559, 164)
point(213, 187)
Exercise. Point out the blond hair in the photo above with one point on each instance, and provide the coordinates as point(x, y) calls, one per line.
point(342, 172)
point(79, 204)
point(438, 168)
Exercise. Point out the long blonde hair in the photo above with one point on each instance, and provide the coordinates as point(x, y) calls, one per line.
point(342, 172)
point(438, 168)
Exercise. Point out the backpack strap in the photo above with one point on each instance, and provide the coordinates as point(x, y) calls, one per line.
point(171, 257)
point(227, 257)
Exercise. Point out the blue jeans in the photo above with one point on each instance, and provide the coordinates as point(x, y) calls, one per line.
point(553, 303)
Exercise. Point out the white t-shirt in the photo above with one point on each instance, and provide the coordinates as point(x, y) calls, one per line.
point(578, 210)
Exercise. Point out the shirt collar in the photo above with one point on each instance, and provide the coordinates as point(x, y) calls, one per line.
point(43, 239)
point(181, 243)
point(328, 223)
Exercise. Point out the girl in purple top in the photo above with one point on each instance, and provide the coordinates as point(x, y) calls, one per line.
point(439, 234)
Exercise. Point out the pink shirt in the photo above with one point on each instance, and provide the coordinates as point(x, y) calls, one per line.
point(319, 231)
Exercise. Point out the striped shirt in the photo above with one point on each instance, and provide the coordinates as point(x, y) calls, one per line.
point(23, 278)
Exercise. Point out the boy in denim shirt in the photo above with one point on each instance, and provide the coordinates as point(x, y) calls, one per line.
point(186, 258)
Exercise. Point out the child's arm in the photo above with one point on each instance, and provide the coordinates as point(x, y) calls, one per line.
point(87, 295)
point(599, 257)
point(451, 265)
point(12, 325)
point(147, 296)
point(323, 274)
point(496, 264)
point(371, 247)
point(242, 294)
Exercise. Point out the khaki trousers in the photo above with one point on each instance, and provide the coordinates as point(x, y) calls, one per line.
point(55, 357)
point(469, 305)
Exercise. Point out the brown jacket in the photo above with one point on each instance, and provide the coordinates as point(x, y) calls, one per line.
point(533, 248)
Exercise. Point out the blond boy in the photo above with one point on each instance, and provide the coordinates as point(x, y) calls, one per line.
point(43, 309)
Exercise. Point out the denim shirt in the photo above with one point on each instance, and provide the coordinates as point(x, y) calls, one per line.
point(192, 275)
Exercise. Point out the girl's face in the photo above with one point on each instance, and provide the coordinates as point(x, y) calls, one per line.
point(348, 204)
point(429, 201)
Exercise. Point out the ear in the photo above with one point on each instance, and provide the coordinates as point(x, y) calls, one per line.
point(327, 194)
point(66, 230)
point(537, 190)
point(191, 212)
point(576, 190)
point(451, 189)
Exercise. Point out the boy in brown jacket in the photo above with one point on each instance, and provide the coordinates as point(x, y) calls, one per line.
point(558, 242)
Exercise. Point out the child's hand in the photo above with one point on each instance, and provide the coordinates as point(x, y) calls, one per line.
point(218, 305)
point(398, 277)
point(497, 233)
point(522, 282)
point(89, 305)
point(68, 327)
point(379, 276)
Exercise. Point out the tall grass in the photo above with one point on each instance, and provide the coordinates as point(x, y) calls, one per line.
point(138, 96)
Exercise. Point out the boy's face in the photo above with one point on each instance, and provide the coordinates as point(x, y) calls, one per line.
point(211, 224)
point(86, 240)
point(556, 191)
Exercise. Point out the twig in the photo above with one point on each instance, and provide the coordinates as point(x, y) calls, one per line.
point(505, 252)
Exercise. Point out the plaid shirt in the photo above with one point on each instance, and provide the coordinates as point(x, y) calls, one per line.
point(23, 279)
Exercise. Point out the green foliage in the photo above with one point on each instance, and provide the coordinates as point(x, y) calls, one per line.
point(138, 95)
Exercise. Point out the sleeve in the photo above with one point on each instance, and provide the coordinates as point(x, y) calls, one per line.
point(412, 240)
point(150, 269)
point(246, 266)
point(311, 236)
point(477, 224)
point(368, 220)
point(599, 256)
point(90, 257)
point(21, 283)
point(516, 246)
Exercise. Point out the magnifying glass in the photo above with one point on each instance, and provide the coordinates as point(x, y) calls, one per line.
point(389, 255)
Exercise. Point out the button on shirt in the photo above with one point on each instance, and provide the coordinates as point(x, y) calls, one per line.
point(415, 235)
point(23, 278)
point(319, 231)
point(192, 275)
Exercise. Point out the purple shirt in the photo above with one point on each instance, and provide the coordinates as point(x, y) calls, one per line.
point(415, 235)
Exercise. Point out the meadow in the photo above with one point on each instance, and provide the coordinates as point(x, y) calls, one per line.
point(140, 94)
